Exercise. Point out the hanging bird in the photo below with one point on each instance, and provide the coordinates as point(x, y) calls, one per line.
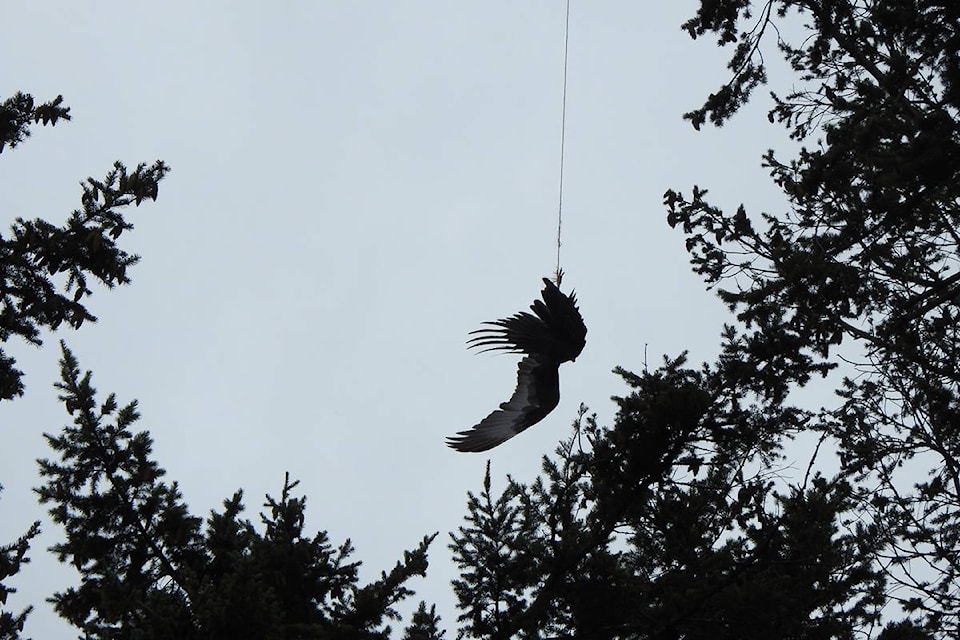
point(554, 333)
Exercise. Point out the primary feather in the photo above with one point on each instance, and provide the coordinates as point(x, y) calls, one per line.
point(554, 333)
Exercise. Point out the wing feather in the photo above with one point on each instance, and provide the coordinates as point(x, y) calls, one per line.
point(536, 395)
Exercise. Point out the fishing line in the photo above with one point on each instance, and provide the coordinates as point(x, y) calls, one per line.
point(563, 135)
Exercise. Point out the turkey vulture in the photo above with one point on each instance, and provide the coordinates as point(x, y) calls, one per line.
point(552, 334)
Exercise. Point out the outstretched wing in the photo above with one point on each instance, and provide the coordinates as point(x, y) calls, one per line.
point(536, 395)
point(555, 328)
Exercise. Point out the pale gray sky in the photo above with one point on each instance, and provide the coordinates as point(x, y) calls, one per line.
point(355, 186)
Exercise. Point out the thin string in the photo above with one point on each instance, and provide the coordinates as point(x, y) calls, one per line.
point(563, 133)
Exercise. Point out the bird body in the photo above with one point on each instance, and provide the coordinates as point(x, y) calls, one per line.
point(553, 334)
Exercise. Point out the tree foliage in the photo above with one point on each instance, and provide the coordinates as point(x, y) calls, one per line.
point(679, 521)
point(18, 112)
point(150, 569)
point(12, 558)
point(652, 529)
point(46, 270)
point(694, 515)
point(864, 258)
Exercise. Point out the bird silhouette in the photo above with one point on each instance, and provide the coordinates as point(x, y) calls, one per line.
point(554, 333)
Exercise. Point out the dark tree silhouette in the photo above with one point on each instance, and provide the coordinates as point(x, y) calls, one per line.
point(150, 569)
point(651, 529)
point(12, 557)
point(46, 270)
point(863, 264)
point(678, 521)
point(18, 112)
point(692, 516)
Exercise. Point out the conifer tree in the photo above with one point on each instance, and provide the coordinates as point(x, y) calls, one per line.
point(677, 521)
point(653, 528)
point(150, 569)
point(12, 557)
point(861, 266)
point(46, 270)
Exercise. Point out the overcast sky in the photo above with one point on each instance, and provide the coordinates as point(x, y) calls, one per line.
point(356, 185)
